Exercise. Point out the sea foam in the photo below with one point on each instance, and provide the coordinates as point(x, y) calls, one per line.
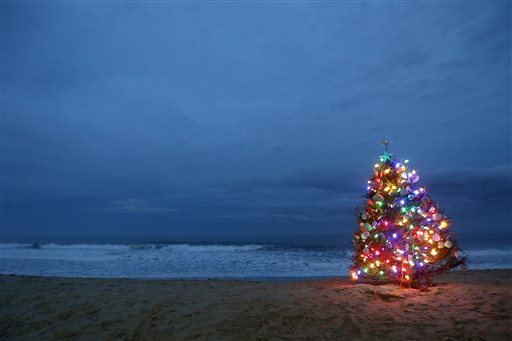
point(197, 260)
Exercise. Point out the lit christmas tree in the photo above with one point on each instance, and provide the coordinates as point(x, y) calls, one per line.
point(403, 236)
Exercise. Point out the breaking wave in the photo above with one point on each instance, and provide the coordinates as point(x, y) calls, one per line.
point(197, 260)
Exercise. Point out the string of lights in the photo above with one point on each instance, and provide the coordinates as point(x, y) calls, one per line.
point(403, 236)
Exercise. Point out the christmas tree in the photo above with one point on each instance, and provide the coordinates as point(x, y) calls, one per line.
point(403, 237)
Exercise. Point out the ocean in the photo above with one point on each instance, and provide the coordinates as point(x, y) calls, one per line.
point(237, 257)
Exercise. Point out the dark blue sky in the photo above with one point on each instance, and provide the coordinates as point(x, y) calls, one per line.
point(156, 118)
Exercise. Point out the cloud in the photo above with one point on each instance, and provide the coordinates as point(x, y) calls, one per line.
point(491, 33)
point(477, 184)
point(215, 117)
point(337, 181)
point(133, 205)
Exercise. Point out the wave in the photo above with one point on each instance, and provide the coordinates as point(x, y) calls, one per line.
point(212, 248)
point(15, 245)
point(489, 252)
point(223, 247)
point(197, 260)
point(54, 246)
point(168, 246)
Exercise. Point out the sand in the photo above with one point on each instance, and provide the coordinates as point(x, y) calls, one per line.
point(474, 305)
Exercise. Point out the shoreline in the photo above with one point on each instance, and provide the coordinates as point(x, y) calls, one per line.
point(272, 279)
point(474, 304)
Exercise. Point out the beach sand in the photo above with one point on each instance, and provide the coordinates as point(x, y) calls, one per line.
point(474, 305)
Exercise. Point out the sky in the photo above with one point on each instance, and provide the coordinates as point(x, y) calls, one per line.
point(167, 118)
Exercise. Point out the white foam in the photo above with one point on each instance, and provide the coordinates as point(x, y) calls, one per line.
point(212, 248)
point(196, 261)
point(13, 245)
